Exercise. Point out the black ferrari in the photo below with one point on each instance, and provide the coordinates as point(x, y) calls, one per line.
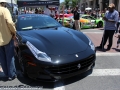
point(48, 51)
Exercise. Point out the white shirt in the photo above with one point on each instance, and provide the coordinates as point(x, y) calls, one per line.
point(53, 13)
point(47, 11)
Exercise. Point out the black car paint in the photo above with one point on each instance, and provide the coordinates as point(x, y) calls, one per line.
point(52, 41)
point(61, 44)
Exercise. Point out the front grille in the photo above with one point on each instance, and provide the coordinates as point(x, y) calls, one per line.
point(72, 67)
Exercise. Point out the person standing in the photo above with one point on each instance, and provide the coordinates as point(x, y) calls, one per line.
point(7, 37)
point(47, 11)
point(76, 18)
point(111, 19)
point(36, 11)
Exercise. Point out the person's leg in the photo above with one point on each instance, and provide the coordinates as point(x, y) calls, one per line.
point(76, 24)
point(9, 50)
point(3, 60)
point(118, 42)
point(104, 39)
point(111, 33)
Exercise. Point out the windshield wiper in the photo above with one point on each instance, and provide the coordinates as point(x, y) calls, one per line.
point(49, 27)
point(31, 29)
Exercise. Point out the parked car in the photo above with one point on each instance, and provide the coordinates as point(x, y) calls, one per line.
point(48, 51)
point(87, 21)
point(92, 22)
point(67, 22)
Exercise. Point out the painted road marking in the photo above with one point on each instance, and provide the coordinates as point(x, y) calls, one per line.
point(107, 54)
point(59, 85)
point(96, 72)
point(105, 72)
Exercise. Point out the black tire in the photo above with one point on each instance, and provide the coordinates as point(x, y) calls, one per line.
point(22, 64)
point(100, 24)
point(74, 26)
point(17, 65)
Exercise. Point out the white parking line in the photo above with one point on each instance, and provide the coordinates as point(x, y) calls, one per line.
point(107, 54)
point(96, 72)
point(105, 72)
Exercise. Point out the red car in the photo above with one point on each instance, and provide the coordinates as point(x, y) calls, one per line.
point(65, 15)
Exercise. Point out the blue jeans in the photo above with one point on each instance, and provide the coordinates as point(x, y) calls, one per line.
point(7, 59)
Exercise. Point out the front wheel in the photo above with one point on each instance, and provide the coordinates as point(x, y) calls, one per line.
point(22, 64)
point(100, 25)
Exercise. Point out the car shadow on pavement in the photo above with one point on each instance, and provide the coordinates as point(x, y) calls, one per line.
point(34, 83)
point(51, 85)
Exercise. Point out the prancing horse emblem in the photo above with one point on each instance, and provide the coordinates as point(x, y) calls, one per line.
point(78, 66)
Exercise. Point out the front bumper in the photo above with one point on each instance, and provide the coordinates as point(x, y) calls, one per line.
point(51, 73)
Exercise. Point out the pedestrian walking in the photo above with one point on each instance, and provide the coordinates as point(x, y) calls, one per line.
point(76, 18)
point(7, 37)
point(111, 19)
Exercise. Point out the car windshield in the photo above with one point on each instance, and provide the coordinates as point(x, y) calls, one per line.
point(31, 22)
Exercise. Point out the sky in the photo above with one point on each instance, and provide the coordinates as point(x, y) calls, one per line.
point(61, 1)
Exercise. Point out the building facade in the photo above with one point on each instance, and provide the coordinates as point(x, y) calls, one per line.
point(98, 4)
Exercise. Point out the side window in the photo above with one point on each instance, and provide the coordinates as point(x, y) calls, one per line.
point(85, 17)
point(91, 18)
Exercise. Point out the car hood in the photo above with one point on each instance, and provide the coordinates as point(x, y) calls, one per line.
point(60, 41)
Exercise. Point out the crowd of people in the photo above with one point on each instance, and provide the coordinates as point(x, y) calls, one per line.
point(47, 11)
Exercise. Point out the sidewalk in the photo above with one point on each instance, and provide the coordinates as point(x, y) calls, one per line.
point(96, 37)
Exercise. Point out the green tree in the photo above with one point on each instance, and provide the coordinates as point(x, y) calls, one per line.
point(61, 5)
point(15, 1)
point(67, 3)
point(75, 2)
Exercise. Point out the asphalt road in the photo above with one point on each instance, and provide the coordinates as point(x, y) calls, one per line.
point(105, 76)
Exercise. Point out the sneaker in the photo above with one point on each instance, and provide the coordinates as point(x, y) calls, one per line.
point(15, 76)
point(99, 47)
point(10, 79)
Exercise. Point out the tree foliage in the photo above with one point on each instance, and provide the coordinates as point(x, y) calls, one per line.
point(67, 3)
point(74, 3)
point(62, 4)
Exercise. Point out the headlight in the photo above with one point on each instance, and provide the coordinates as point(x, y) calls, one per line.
point(42, 56)
point(91, 44)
